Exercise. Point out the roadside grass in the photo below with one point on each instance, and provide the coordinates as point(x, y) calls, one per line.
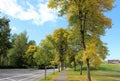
point(106, 72)
point(50, 77)
point(75, 76)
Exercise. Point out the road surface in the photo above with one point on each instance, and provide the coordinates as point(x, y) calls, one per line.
point(22, 74)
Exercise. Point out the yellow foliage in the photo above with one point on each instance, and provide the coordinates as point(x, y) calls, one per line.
point(96, 61)
point(52, 62)
point(85, 56)
point(31, 49)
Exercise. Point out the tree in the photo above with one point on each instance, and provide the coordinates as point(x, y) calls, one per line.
point(17, 52)
point(44, 54)
point(29, 55)
point(88, 15)
point(78, 59)
point(5, 43)
point(96, 51)
point(55, 56)
point(74, 45)
point(31, 42)
point(60, 37)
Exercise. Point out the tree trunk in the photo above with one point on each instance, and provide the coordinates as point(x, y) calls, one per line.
point(45, 72)
point(59, 67)
point(62, 66)
point(88, 70)
point(81, 68)
point(0, 61)
point(74, 66)
point(54, 69)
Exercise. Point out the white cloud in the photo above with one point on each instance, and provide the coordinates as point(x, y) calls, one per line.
point(13, 28)
point(46, 14)
point(38, 15)
point(10, 7)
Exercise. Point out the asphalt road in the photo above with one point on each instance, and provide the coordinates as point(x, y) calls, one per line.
point(22, 74)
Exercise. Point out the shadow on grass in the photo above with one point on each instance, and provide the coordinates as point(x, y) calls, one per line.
point(107, 67)
point(102, 75)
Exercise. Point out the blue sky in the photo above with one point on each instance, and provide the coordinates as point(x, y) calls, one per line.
point(34, 17)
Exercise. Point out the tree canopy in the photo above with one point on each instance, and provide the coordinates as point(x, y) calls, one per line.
point(87, 15)
point(5, 43)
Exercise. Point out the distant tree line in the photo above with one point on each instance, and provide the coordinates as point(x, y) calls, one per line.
point(13, 47)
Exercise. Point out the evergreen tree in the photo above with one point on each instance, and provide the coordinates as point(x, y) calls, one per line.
point(5, 43)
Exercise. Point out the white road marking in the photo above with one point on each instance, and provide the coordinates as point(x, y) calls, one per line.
point(35, 74)
point(7, 79)
point(29, 77)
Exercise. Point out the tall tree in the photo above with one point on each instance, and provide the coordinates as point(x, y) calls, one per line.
point(4, 39)
point(74, 44)
point(29, 55)
point(18, 50)
point(44, 54)
point(60, 37)
point(88, 15)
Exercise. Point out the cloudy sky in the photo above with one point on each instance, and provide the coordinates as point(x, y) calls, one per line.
point(34, 17)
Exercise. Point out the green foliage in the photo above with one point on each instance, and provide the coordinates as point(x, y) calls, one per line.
point(5, 43)
point(31, 42)
point(44, 53)
point(17, 52)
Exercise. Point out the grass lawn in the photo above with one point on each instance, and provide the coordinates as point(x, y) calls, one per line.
point(75, 76)
point(106, 72)
point(50, 77)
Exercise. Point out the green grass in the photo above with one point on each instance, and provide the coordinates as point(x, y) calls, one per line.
point(50, 77)
point(75, 76)
point(106, 72)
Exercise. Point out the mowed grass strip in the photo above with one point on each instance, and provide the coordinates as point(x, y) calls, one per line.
point(106, 72)
point(50, 77)
point(75, 76)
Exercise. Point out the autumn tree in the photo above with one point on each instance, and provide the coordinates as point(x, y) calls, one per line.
point(96, 51)
point(44, 55)
point(29, 55)
point(60, 37)
point(74, 45)
point(55, 56)
point(88, 15)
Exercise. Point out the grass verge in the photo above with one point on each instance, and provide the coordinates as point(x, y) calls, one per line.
point(106, 72)
point(50, 77)
point(75, 76)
